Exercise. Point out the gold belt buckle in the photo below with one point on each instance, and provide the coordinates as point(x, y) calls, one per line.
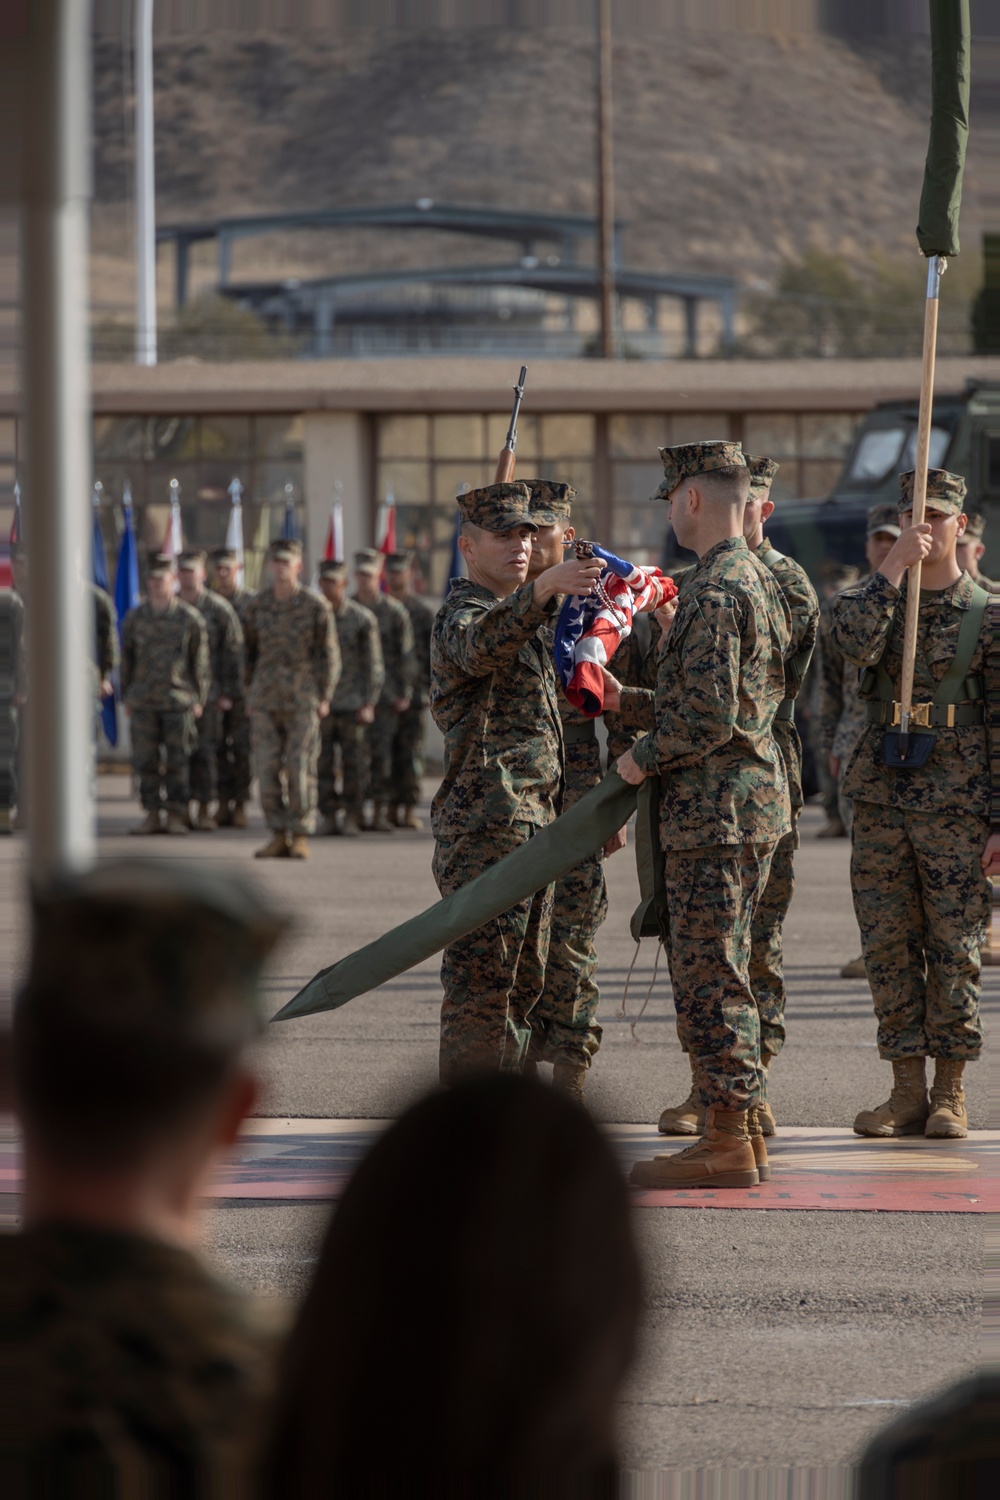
point(920, 714)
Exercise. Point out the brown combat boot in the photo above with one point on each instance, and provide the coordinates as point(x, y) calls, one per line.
point(411, 819)
point(569, 1078)
point(854, 970)
point(765, 1114)
point(204, 822)
point(275, 848)
point(947, 1118)
point(905, 1110)
point(149, 824)
point(392, 813)
point(177, 823)
point(238, 816)
point(756, 1132)
point(687, 1118)
point(834, 829)
point(299, 847)
point(724, 1157)
point(224, 815)
point(381, 823)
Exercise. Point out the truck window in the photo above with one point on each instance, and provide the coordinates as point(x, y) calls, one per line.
point(888, 450)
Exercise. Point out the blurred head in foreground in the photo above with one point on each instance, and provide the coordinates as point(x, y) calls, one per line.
point(479, 1282)
point(947, 1448)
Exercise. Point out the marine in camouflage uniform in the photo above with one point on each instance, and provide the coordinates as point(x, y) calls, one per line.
point(234, 772)
point(493, 696)
point(292, 667)
point(138, 1372)
point(398, 659)
point(166, 677)
point(920, 894)
point(971, 548)
point(408, 745)
point(107, 653)
point(352, 706)
point(225, 655)
point(724, 802)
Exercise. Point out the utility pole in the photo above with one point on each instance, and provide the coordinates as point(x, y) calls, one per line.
point(606, 182)
point(55, 195)
point(145, 189)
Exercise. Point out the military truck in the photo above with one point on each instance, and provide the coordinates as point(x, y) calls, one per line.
point(965, 438)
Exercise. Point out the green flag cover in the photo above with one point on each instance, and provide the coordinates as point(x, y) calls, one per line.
point(941, 198)
point(553, 850)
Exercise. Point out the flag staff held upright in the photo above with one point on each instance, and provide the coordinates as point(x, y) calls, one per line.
point(937, 236)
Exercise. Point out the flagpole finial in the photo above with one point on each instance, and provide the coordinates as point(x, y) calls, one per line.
point(175, 490)
point(235, 490)
point(127, 494)
point(289, 491)
point(98, 492)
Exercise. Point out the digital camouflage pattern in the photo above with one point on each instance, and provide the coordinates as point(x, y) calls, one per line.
point(883, 518)
point(138, 1372)
point(408, 745)
point(923, 906)
point(688, 459)
point(225, 654)
point(233, 768)
point(360, 684)
point(920, 896)
point(720, 679)
point(945, 492)
point(496, 507)
point(493, 976)
point(551, 501)
point(494, 698)
point(175, 733)
point(396, 632)
point(165, 665)
point(292, 665)
point(766, 953)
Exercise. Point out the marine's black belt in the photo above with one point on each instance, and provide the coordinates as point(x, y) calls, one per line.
point(579, 734)
point(784, 711)
point(927, 715)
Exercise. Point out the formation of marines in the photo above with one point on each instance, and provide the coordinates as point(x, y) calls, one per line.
point(323, 696)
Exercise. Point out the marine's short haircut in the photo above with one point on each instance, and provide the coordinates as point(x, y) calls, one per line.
point(729, 486)
point(139, 1004)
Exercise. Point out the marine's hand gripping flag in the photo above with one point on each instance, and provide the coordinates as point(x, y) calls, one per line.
point(591, 627)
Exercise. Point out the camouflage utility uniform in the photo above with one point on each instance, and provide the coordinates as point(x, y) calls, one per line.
point(396, 633)
point(841, 716)
point(724, 801)
point(138, 1373)
point(233, 769)
point(360, 684)
point(225, 654)
point(766, 954)
point(921, 898)
point(493, 696)
point(411, 733)
point(165, 672)
point(106, 650)
point(292, 665)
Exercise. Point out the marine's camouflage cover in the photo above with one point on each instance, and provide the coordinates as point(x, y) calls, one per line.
point(551, 502)
point(497, 507)
point(688, 459)
point(945, 492)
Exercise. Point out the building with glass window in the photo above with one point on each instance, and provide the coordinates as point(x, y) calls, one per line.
point(302, 433)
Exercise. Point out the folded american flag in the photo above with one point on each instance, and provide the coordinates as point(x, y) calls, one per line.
point(592, 626)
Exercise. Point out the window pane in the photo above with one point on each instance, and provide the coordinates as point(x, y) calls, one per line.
point(172, 437)
point(459, 437)
point(527, 438)
point(409, 483)
point(825, 434)
point(8, 437)
point(450, 479)
point(120, 437)
point(819, 477)
point(633, 484)
point(567, 437)
point(637, 437)
point(698, 427)
point(770, 434)
point(640, 532)
point(413, 528)
point(269, 481)
point(403, 437)
point(214, 481)
point(278, 437)
point(225, 437)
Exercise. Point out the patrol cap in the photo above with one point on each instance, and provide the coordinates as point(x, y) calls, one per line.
point(551, 501)
point(945, 492)
point(398, 562)
point(161, 565)
point(762, 472)
point(223, 555)
point(689, 459)
point(368, 560)
point(331, 568)
point(284, 549)
point(497, 507)
point(883, 518)
point(975, 526)
point(191, 558)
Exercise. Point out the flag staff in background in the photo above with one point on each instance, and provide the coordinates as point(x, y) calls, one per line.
point(127, 570)
point(334, 549)
point(937, 236)
point(173, 541)
point(234, 527)
point(289, 530)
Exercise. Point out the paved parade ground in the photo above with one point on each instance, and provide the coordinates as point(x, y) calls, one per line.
point(776, 1338)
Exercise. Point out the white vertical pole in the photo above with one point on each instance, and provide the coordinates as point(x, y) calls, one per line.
point(55, 192)
point(145, 189)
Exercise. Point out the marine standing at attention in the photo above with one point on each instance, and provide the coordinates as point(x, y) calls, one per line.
point(724, 801)
point(292, 667)
point(166, 676)
point(352, 706)
point(922, 835)
point(225, 655)
point(398, 660)
point(408, 741)
point(234, 741)
point(493, 696)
